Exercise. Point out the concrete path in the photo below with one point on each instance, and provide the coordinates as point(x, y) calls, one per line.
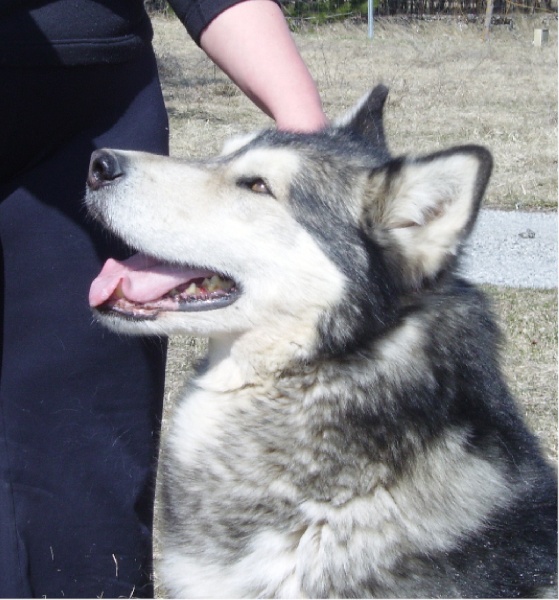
point(515, 249)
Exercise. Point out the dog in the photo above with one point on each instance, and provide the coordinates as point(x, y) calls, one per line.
point(350, 434)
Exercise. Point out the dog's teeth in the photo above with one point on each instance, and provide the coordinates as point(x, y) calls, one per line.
point(215, 283)
point(207, 286)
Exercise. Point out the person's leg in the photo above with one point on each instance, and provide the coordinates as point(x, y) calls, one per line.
point(79, 405)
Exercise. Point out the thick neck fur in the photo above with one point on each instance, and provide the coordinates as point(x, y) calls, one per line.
point(387, 393)
point(272, 373)
point(239, 361)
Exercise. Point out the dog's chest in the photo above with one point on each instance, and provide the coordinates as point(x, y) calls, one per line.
point(269, 495)
point(244, 463)
point(242, 523)
point(261, 438)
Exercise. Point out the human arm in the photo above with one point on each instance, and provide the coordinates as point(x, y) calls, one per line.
point(252, 44)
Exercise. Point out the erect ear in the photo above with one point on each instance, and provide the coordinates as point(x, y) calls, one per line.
point(428, 205)
point(365, 119)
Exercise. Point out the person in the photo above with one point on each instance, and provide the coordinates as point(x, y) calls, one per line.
point(80, 406)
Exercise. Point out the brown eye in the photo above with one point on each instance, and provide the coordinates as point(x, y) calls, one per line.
point(259, 187)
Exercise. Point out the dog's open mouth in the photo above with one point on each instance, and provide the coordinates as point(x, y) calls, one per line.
point(142, 287)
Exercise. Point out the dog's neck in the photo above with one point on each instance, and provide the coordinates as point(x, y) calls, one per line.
point(238, 361)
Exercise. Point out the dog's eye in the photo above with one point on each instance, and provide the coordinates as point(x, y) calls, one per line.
point(257, 185)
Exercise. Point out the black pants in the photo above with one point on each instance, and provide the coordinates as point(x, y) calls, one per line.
point(79, 405)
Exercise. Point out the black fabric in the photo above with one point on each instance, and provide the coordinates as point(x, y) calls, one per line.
point(79, 406)
point(82, 32)
point(72, 32)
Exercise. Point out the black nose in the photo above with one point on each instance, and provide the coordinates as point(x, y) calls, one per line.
point(104, 167)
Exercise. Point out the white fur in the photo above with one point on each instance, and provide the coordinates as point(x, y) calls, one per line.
point(202, 214)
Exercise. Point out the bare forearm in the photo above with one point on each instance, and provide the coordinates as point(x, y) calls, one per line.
point(251, 42)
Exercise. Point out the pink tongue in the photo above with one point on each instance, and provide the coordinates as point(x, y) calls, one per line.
point(142, 279)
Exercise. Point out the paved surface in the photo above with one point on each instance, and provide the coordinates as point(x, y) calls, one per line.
point(515, 249)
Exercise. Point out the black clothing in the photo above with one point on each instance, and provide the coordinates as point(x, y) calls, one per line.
point(196, 15)
point(79, 32)
point(79, 406)
point(72, 32)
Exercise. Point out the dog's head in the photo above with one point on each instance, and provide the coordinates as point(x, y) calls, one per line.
point(314, 235)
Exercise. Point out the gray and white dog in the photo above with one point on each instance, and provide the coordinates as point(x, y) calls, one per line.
point(351, 434)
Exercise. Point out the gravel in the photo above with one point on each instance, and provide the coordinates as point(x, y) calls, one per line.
point(514, 249)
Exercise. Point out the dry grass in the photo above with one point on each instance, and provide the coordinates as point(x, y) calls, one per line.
point(529, 323)
point(447, 85)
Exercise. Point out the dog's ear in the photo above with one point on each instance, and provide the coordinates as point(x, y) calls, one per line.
point(427, 206)
point(365, 119)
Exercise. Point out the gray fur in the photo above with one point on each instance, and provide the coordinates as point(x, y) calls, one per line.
point(351, 435)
